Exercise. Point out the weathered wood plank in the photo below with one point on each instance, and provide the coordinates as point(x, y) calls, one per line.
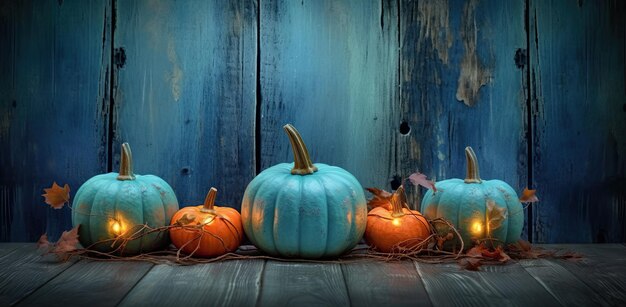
point(6, 248)
point(330, 68)
point(231, 283)
point(53, 107)
point(579, 82)
point(461, 86)
point(562, 284)
point(24, 270)
point(603, 269)
point(384, 284)
point(303, 284)
point(185, 94)
point(89, 283)
point(505, 285)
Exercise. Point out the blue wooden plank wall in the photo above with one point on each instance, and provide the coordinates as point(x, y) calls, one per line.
point(201, 90)
point(54, 107)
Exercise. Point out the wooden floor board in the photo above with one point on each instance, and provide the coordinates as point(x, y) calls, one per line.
point(303, 284)
point(229, 283)
point(89, 283)
point(6, 248)
point(568, 289)
point(502, 285)
point(24, 270)
point(602, 268)
point(376, 284)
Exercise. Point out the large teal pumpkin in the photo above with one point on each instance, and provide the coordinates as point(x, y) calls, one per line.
point(117, 205)
point(303, 209)
point(482, 210)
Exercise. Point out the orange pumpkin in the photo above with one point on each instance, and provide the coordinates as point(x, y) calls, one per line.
point(399, 227)
point(207, 230)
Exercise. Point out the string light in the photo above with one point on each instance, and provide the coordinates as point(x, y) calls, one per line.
point(116, 227)
point(477, 228)
point(395, 222)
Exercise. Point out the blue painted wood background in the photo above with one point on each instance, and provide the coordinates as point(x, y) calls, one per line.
point(201, 90)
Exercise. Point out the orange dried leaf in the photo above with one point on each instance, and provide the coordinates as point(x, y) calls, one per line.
point(186, 219)
point(471, 264)
point(381, 198)
point(67, 242)
point(476, 251)
point(418, 178)
point(528, 196)
point(56, 196)
point(43, 242)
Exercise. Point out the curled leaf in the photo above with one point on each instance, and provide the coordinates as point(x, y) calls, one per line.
point(418, 178)
point(381, 198)
point(470, 264)
point(43, 242)
point(186, 219)
point(67, 242)
point(56, 196)
point(528, 196)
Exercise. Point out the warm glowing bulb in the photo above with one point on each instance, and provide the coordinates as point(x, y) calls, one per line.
point(395, 222)
point(116, 227)
point(477, 228)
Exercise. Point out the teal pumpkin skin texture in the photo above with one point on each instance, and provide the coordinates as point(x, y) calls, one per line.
point(485, 210)
point(119, 204)
point(304, 210)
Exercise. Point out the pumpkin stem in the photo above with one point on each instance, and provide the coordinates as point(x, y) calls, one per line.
point(472, 166)
point(397, 202)
point(302, 160)
point(209, 201)
point(126, 164)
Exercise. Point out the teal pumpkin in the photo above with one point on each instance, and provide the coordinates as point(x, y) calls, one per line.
point(482, 210)
point(114, 205)
point(302, 209)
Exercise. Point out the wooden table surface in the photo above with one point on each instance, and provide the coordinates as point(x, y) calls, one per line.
point(27, 279)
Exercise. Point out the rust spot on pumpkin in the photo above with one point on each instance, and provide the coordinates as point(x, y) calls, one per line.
point(434, 26)
point(473, 73)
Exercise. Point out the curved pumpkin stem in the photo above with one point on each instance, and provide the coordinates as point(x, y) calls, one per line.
point(302, 160)
point(472, 166)
point(126, 164)
point(209, 201)
point(397, 202)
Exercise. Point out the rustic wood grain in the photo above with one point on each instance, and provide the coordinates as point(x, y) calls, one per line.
point(185, 94)
point(505, 285)
point(6, 248)
point(579, 82)
point(303, 284)
point(230, 283)
point(384, 284)
point(24, 270)
point(602, 268)
point(89, 283)
point(53, 108)
point(330, 69)
point(562, 284)
point(460, 86)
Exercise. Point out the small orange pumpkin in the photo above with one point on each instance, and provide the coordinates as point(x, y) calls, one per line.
point(399, 227)
point(207, 230)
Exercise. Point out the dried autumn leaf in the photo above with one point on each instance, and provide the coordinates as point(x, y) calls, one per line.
point(524, 245)
point(528, 196)
point(381, 198)
point(186, 219)
point(418, 178)
point(471, 264)
point(67, 242)
point(56, 196)
point(502, 256)
point(495, 215)
point(43, 242)
point(476, 251)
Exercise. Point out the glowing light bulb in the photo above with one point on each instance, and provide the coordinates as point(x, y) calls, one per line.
point(395, 222)
point(116, 227)
point(477, 228)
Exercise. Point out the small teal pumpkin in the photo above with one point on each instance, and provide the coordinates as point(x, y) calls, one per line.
point(482, 210)
point(114, 205)
point(302, 209)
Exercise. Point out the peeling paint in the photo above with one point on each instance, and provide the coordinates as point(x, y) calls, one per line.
point(177, 73)
point(473, 74)
point(434, 17)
